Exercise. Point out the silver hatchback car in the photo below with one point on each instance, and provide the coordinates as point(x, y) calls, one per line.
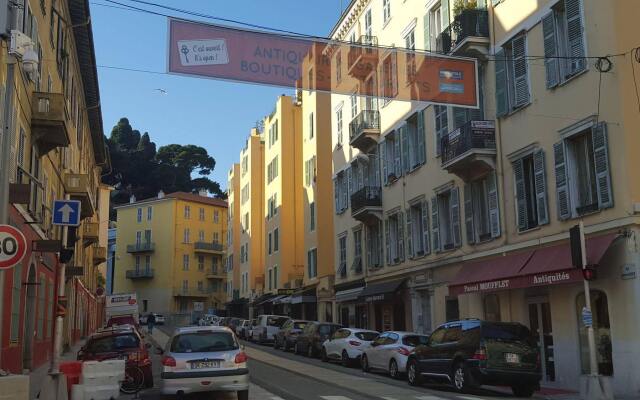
point(204, 359)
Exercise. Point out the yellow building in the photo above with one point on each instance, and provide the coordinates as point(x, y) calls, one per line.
point(232, 262)
point(170, 251)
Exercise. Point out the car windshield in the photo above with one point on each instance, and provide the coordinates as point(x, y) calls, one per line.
point(202, 342)
point(276, 321)
point(299, 325)
point(368, 336)
point(415, 340)
point(110, 344)
point(506, 332)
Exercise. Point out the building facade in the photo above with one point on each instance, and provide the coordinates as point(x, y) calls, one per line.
point(235, 305)
point(466, 212)
point(55, 146)
point(170, 251)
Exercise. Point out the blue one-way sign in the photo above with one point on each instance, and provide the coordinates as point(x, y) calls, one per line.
point(66, 212)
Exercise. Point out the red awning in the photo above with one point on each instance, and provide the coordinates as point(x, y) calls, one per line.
point(544, 266)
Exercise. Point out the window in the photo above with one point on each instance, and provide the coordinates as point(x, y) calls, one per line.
point(368, 30)
point(312, 216)
point(413, 142)
point(374, 245)
point(583, 179)
point(512, 80)
point(394, 238)
point(531, 191)
point(275, 277)
point(410, 44)
point(339, 126)
point(276, 238)
point(339, 65)
point(391, 156)
point(310, 171)
point(244, 194)
point(602, 332)
point(436, 21)
point(147, 263)
point(185, 285)
point(139, 216)
point(563, 35)
point(390, 76)
point(445, 220)
point(200, 263)
point(481, 210)
point(418, 243)
point(341, 191)
point(138, 238)
point(342, 256)
point(245, 222)
point(245, 165)
point(200, 286)
point(137, 264)
point(270, 279)
point(357, 251)
point(201, 236)
point(185, 262)
point(272, 170)
point(353, 99)
point(201, 214)
point(186, 238)
point(492, 308)
point(270, 242)
point(272, 206)
point(216, 215)
point(442, 125)
point(147, 236)
point(149, 213)
point(386, 10)
point(273, 133)
point(452, 309)
point(311, 126)
point(187, 212)
point(312, 263)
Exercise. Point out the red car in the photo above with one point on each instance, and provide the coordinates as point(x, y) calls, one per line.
point(115, 343)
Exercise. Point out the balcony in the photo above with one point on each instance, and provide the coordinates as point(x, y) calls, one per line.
point(99, 255)
point(208, 247)
point(146, 273)
point(90, 233)
point(77, 186)
point(468, 35)
point(48, 122)
point(363, 57)
point(470, 151)
point(216, 273)
point(364, 130)
point(366, 204)
point(185, 292)
point(142, 247)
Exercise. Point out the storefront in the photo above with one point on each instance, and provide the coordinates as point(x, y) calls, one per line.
point(540, 289)
point(263, 304)
point(238, 308)
point(325, 296)
point(304, 304)
point(351, 311)
point(386, 305)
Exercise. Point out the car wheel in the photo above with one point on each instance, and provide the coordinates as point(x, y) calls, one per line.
point(346, 361)
point(310, 352)
point(393, 369)
point(243, 394)
point(523, 391)
point(295, 349)
point(275, 343)
point(460, 378)
point(285, 345)
point(413, 375)
point(364, 363)
point(323, 356)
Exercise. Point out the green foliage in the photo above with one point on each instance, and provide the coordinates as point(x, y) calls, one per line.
point(460, 5)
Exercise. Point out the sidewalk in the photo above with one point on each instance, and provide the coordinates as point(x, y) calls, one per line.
point(37, 376)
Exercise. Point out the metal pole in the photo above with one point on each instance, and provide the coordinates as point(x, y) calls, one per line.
point(57, 338)
point(593, 362)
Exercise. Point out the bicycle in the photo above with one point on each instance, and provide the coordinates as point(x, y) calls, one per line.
point(133, 379)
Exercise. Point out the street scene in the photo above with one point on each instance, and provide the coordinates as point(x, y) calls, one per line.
point(330, 200)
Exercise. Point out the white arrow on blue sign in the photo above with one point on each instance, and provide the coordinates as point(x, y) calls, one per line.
point(587, 317)
point(66, 212)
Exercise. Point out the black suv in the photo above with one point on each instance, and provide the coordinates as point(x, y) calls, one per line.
point(288, 334)
point(471, 353)
point(313, 336)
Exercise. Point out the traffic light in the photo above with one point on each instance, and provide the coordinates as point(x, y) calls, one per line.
point(589, 273)
point(576, 246)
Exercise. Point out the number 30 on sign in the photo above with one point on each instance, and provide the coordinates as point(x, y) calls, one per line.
point(13, 246)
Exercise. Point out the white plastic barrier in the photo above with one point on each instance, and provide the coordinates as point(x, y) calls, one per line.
point(14, 387)
point(100, 380)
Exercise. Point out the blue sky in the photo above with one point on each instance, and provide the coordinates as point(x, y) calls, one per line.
point(214, 114)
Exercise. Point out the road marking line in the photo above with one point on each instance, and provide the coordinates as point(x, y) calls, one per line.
point(430, 398)
point(276, 398)
point(389, 398)
point(469, 398)
point(334, 398)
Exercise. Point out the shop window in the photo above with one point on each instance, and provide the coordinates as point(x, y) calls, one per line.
point(452, 310)
point(601, 330)
point(492, 308)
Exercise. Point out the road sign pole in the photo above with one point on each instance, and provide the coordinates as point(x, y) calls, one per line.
point(57, 334)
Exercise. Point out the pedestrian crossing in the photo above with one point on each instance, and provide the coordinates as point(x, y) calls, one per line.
point(418, 397)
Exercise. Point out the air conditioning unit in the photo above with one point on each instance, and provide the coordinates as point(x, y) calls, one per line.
point(19, 43)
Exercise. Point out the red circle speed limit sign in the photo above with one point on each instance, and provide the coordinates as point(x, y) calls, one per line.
point(13, 246)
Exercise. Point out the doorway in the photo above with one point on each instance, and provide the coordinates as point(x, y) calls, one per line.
point(30, 319)
point(541, 329)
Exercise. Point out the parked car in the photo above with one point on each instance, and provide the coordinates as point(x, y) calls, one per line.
point(209, 320)
point(233, 324)
point(288, 335)
point(119, 342)
point(249, 331)
point(266, 327)
point(389, 352)
point(313, 336)
point(471, 353)
point(241, 330)
point(224, 321)
point(347, 344)
point(204, 359)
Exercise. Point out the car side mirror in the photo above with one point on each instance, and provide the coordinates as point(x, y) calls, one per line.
point(159, 351)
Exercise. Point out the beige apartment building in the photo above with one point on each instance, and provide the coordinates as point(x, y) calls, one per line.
point(444, 213)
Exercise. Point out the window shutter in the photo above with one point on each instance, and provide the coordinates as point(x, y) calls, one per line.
point(520, 82)
point(601, 157)
point(404, 144)
point(345, 191)
point(383, 161)
point(502, 102)
point(369, 244)
point(550, 49)
point(455, 216)
point(425, 227)
point(541, 187)
point(444, 7)
point(427, 35)
point(421, 137)
point(459, 117)
point(575, 36)
point(562, 185)
point(350, 181)
point(521, 196)
point(397, 158)
point(435, 221)
point(400, 235)
point(494, 205)
point(409, 234)
point(387, 239)
point(336, 195)
point(468, 214)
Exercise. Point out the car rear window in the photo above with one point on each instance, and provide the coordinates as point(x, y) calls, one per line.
point(299, 325)
point(202, 342)
point(368, 336)
point(276, 321)
point(505, 332)
point(415, 340)
point(110, 344)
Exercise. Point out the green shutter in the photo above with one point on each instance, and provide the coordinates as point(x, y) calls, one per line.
point(541, 187)
point(521, 196)
point(421, 139)
point(409, 234)
point(520, 77)
point(455, 217)
point(425, 227)
point(403, 131)
point(502, 101)
point(494, 205)
point(435, 221)
point(427, 33)
point(562, 184)
point(601, 159)
point(468, 214)
point(444, 4)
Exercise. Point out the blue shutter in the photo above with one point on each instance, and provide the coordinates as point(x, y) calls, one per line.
point(403, 131)
point(575, 36)
point(494, 205)
point(409, 234)
point(387, 239)
point(520, 78)
point(562, 184)
point(397, 154)
point(502, 100)
point(435, 221)
point(383, 161)
point(551, 61)
point(427, 34)
point(444, 4)
point(425, 227)
point(541, 187)
point(421, 139)
point(601, 158)
point(455, 216)
point(400, 234)
point(521, 195)
point(468, 214)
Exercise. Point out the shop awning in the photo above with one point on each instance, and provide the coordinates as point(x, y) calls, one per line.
point(236, 302)
point(307, 295)
point(380, 291)
point(347, 295)
point(282, 300)
point(544, 266)
point(263, 299)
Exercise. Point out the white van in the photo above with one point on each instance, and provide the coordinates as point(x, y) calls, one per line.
point(266, 327)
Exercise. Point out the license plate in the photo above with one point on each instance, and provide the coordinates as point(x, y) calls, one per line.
point(205, 364)
point(512, 358)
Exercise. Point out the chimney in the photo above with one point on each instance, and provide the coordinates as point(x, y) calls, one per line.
point(132, 199)
point(161, 194)
point(203, 193)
